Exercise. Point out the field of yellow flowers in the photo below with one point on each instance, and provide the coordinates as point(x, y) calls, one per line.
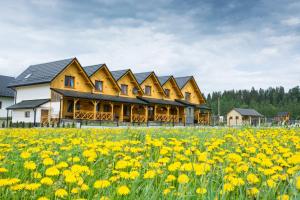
point(157, 163)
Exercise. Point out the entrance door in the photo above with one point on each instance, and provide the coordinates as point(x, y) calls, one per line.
point(189, 115)
point(150, 113)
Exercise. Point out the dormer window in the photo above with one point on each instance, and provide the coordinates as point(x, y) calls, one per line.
point(99, 86)
point(187, 96)
point(69, 81)
point(135, 90)
point(167, 91)
point(148, 90)
point(124, 89)
point(27, 76)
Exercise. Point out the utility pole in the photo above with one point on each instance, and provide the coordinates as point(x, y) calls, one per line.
point(218, 110)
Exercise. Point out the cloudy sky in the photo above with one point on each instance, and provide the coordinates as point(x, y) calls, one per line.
point(225, 44)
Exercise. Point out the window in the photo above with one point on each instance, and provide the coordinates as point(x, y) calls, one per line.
point(78, 106)
point(237, 117)
point(187, 96)
point(69, 81)
point(148, 90)
point(98, 107)
point(167, 91)
point(70, 106)
point(124, 89)
point(106, 108)
point(135, 90)
point(27, 114)
point(0, 104)
point(126, 110)
point(99, 86)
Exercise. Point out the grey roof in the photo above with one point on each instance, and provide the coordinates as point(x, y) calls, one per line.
point(141, 77)
point(28, 104)
point(181, 81)
point(4, 90)
point(160, 101)
point(187, 103)
point(85, 95)
point(281, 114)
point(90, 70)
point(119, 73)
point(248, 112)
point(163, 79)
point(40, 73)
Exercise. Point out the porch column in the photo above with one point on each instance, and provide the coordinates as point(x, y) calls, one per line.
point(250, 121)
point(177, 109)
point(146, 113)
point(258, 121)
point(154, 112)
point(131, 108)
point(208, 121)
point(61, 107)
point(121, 114)
point(95, 109)
point(112, 111)
point(74, 108)
point(168, 113)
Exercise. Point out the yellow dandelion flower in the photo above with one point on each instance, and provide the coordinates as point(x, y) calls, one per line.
point(201, 190)
point(149, 174)
point(43, 198)
point(123, 190)
point(47, 181)
point(61, 193)
point(52, 171)
point(183, 179)
point(25, 155)
point(101, 184)
point(252, 178)
point(283, 197)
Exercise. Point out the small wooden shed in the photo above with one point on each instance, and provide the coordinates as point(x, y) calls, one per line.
point(242, 116)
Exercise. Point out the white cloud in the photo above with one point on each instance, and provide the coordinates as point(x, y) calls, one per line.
point(292, 21)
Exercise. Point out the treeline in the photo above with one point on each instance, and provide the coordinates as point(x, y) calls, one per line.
point(266, 101)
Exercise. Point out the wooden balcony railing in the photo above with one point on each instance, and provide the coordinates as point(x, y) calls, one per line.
point(84, 114)
point(173, 118)
point(104, 116)
point(161, 117)
point(138, 118)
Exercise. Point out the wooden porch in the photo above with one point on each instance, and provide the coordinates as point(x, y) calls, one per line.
point(203, 117)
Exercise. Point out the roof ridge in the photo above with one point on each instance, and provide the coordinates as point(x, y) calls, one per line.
point(52, 61)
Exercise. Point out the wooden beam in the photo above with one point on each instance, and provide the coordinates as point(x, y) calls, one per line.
point(121, 114)
point(74, 107)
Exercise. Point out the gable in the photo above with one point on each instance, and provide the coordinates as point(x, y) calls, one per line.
point(196, 95)
point(82, 82)
point(129, 79)
point(156, 89)
point(110, 86)
point(175, 92)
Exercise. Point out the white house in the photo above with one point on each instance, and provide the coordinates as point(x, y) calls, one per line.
point(6, 96)
point(33, 93)
point(242, 116)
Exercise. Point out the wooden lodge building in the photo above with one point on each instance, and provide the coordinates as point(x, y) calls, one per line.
point(65, 91)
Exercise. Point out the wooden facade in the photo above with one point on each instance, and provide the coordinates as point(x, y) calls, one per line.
point(100, 96)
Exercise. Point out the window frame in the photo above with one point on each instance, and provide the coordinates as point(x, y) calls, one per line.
point(68, 81)
point(135, 91)
point(150, 90)
point(0, 104)
point(27, 114)
point(97, 89)
point(187, 94)
point(122, 92)
point(168, 94)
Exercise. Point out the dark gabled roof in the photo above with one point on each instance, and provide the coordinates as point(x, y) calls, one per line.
point(90, 70)
point(248, 112)
point(119, 73)
point(85, 95)
point(4, 90)
point(28, 104)
point(163, 79)
point(160, 101)
point(141, 77)
point(203, 107)
point(187, 103)
point(281, 114)
point(41, 73)
point(182, 81)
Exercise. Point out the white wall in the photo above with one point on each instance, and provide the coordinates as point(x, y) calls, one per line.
point(6, 102)
point(41, 91)
point(234, 121)
point(19, 116)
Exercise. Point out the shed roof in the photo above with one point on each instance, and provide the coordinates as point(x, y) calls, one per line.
point(248, 112)
point(85, 95)
point(4, 90)
point(41, 73)
point(28, 104)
